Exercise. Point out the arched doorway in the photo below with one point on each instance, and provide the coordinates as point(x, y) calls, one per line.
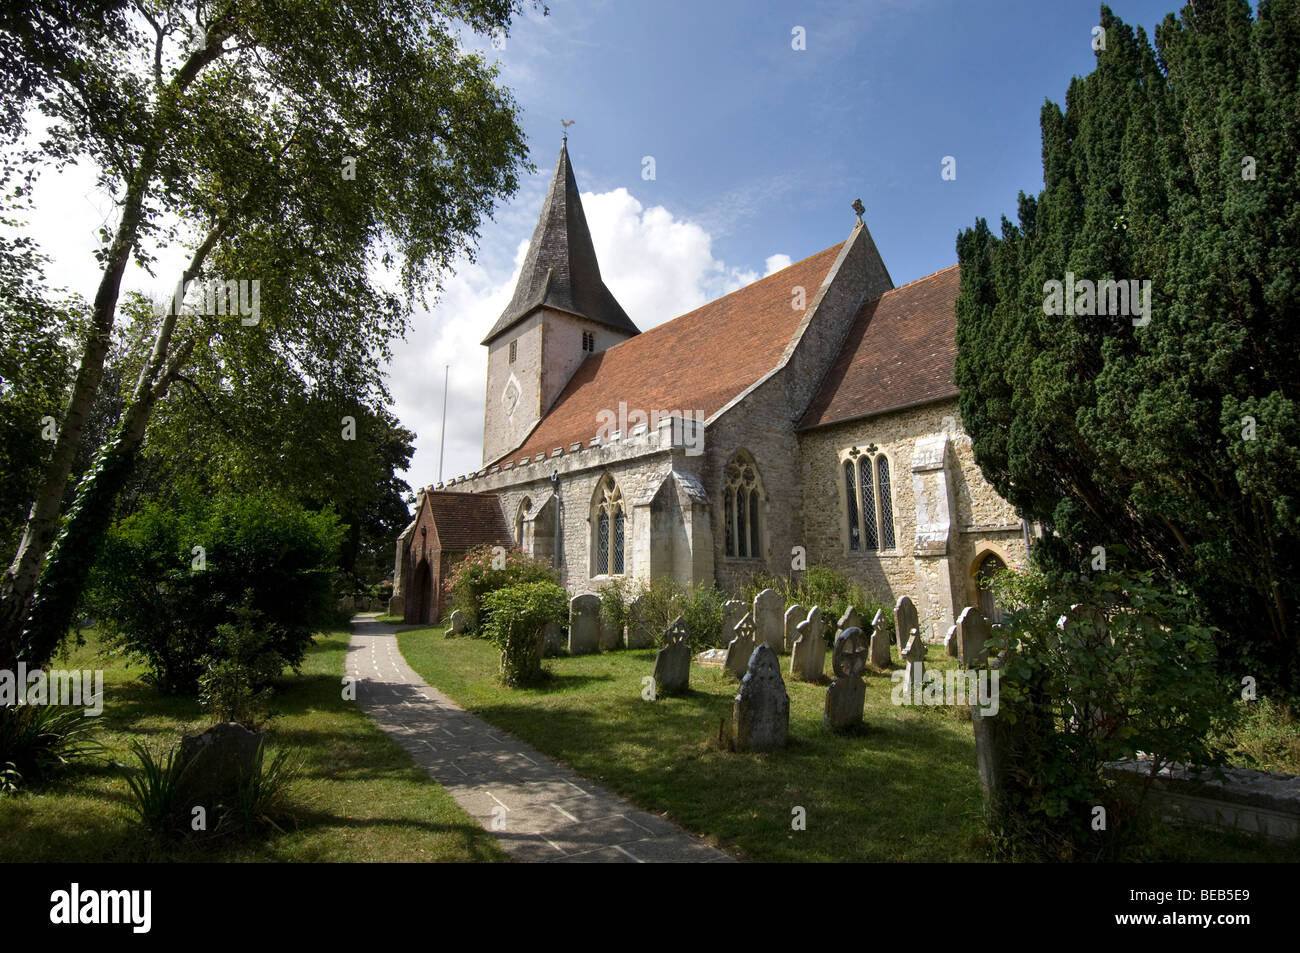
point(422, 602)
point(988, 566)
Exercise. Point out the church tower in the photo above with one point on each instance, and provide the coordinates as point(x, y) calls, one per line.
point(560, 315)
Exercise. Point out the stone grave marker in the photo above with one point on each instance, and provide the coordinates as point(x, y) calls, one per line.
point(952, 643)
point(769, 624)
point(741, 647)
point(220, 760)
point(971, 636)
point(905, 623)
point(673, 661)
point(880, 639)
point(733, 610)
point(809, 655)
point(793, 616)
point(847, 694)
point(914, 660)
point(458, 622)
point(611, 637)
point(761, 714)
point(848, 621)
point(552, 639)
point(584, 624)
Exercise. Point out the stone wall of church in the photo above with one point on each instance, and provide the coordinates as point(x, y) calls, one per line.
point(981, 521)
point(513, 388)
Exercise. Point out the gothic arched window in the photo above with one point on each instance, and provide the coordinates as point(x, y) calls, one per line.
point(870, 503)
point(610, 528)
point(742, 498)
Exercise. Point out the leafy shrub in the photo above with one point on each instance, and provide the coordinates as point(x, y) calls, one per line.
point(700, 607)
point(38, 741)
point(238, 672)
point(513, 619)
point(1097, 670)
point(484, 570)
point(166, 604)
point(154, 790)
point(615, 601)
point(1265, 735)
point(264, 797)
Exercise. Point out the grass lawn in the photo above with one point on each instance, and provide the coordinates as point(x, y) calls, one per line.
point(905, 790)
point(359, 796)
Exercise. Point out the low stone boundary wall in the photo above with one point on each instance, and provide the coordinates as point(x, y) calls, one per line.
point(1263, 803)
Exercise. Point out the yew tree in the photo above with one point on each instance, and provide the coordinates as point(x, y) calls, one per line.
point(1171, 444)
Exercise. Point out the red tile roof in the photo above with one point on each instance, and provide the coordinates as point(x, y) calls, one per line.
point(466, 520)
point(899, 352)
point(697, 362)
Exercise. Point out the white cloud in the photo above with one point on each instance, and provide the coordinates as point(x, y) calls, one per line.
point(658, 266)
point(775, 263)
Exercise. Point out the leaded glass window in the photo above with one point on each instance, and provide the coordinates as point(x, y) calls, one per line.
point(610, 529)
point(851, 496)
point(886, 504)
point(742, 499)
point(870, 533)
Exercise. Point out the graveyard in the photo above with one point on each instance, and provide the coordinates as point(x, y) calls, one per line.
point(902, 786)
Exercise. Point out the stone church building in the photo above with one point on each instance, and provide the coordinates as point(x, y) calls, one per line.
point(810, 415)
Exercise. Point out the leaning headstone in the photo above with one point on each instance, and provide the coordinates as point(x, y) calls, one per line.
point(552, 639)
point(584, 624)
point(458, 622)
point(905, 623)
point(638, 634)
point(972, 635)
point(848, 621)
point(793, 616)
point(741, 647)
point(733, 610)
point(914, 660)
point(809, 655)
point(952, 643)
point(761, 714)
point(220, 760)
point(848, 693)
point(880, 640)
point(611, 636)
point(673, 661)
point(768, 622)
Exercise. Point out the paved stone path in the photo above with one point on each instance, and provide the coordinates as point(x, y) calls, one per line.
point(549, 812)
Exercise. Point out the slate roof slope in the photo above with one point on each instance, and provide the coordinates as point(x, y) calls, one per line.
point(899, 352)
point(697, 362)
point(466, 520)
point(560, 270)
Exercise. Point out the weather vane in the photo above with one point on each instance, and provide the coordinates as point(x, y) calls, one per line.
point(566, 123)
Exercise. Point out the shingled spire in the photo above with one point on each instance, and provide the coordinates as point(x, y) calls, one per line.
point(560, 271)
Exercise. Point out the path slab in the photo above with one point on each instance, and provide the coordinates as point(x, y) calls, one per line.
point(550, 814)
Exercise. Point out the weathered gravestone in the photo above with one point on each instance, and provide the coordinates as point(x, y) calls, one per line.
point(220, 761)
point(809, 654)
point(880, 639)
point(848, 621)
point(584, 624)
point(552, 639)
point(997, 748)
point(905, 623)
point(611, 636)
point(793, 616)
point(673, 661)
point(761, 714)
point(970, 636)
point(741, 647)
point(848, 693)
point(458, 622)
point(768, 622)
point(733, 610)
point(914, 660)
point(952, 643)
point(638, 634)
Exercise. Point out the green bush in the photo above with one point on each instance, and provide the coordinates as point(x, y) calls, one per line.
point(39, 741)
point(700, 608)
point(513, 619)
point(238, 672)
point(615, 602)
point(1096, 670)
point(486, 569)
point(165, 602)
